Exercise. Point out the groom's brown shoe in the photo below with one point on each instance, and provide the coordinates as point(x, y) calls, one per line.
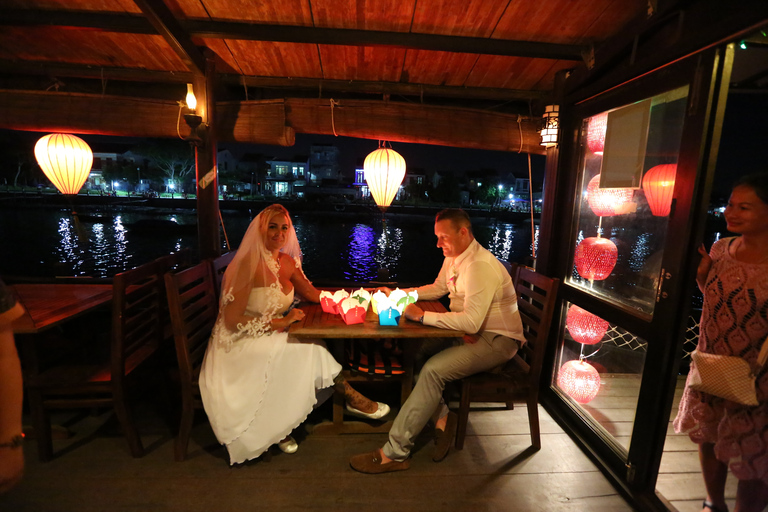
point(444, 438)
point(371, 463)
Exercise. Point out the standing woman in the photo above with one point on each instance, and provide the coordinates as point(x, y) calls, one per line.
point(734, 322)
point(258, 383)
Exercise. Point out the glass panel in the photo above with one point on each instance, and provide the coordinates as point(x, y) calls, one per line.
point(599, 371)
point(628, 166)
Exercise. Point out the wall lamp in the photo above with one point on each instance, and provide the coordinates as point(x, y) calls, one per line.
point(193, 120)
point(549, 126)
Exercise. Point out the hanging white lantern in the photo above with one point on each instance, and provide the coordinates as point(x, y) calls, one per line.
point(65, 159)
point(384, 172)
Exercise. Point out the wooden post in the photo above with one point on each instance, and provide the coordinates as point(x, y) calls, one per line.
point(209, 241)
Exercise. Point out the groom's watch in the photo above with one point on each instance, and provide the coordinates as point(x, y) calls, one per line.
point(421, 318)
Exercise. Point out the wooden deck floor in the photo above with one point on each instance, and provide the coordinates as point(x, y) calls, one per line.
point(92, 471)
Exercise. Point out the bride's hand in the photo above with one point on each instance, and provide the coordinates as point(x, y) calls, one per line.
point(295, 315)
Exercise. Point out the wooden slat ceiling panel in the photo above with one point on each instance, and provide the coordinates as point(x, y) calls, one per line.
point(75, 5)
point(470, 18)
point(438, 68)
point(566, 21)
point(361, 63)
point(385, 15)
point(510, 72)
point(87, 47)
point(259, 58)
point(272, 12)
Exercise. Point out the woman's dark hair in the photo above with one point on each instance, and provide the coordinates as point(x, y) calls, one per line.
point(758, 182)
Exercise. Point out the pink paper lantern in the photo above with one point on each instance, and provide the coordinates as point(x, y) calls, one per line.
point(579, 380)
point(596, 133)
point(595, 258)
point(658, 185)
point(607, 202)
point(585, 327)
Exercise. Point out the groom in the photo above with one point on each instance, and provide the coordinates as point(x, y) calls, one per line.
point(483, 304)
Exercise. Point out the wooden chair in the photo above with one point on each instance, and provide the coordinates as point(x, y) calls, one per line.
point(518, 380)
point(136, 334)
point(219, 266)
point(193, 307)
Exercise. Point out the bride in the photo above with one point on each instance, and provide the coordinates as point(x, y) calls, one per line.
point(258, 383)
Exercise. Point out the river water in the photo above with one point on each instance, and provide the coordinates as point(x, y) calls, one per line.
point(42, 241)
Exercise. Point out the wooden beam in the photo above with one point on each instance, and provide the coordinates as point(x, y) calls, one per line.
point(56, 69)
point(166, 24)
point(271, 121)
point(392, 88)
point(421, 124)
point(130, 117)
point(178, 32)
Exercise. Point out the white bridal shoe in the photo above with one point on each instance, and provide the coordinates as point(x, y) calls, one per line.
point(381, 411)
point(288, 445)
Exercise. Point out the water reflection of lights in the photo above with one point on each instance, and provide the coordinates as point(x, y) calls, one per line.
point(640, 251)
point(361, 255)
point(389, 244)
point(69, 249)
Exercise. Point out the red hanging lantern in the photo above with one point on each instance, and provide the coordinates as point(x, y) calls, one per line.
point(585, 327)
point(596, 133)
point(607, 202)
point(595, 258)
point(579, 380)
point(658, 185)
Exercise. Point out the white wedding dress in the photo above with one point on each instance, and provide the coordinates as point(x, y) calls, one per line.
point(257, 389)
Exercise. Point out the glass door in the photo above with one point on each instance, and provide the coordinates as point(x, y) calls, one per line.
point(631, 175)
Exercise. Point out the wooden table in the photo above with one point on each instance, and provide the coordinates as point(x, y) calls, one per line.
point(317, 324)
point(48, 305)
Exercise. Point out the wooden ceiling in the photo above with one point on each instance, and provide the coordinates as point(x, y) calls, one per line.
point(489, 61)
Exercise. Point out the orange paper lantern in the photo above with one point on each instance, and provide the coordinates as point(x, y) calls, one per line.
point(658, 185)
point(384, 172)
point(585, 327)
point(596, 133)
point(595, 258)
point(65, 159)
point(579, 380)
point(607, 202)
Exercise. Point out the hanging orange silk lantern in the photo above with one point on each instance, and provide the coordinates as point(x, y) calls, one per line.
point(384, 172)
point(607, 202)
point(65, 159)
point(658, 185)
point(595, 258)
point(585, 327)
point(579, 380)
point(596, 133)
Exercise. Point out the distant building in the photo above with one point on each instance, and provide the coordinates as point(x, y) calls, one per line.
point(286, 177)
point(324, 164)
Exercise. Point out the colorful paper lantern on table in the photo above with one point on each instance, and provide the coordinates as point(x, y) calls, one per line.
point(658, 185)
point(330, 301)
point(585, 327)
point(595, 258)
point(607, 202)
point(579, 380)
point(391, 308)
point(596, 133)
point(354, 308)
point(66, 160)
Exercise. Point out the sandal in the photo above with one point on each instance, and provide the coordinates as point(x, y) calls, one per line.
point(712, 507)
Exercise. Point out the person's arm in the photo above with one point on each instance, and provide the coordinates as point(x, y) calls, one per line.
point(481, 280)
point(11, 397)
point(703, 269)
point(302, 285)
